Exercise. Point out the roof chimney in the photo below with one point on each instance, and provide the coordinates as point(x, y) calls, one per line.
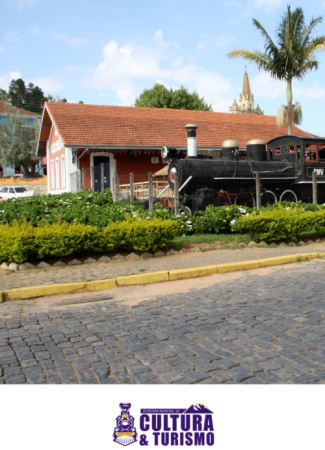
point(191, 140)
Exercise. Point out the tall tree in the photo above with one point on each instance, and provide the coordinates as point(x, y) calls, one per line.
point(290, 57)
point(18, 142)
point(159, 96)
point(17, 92)
point(30, 98)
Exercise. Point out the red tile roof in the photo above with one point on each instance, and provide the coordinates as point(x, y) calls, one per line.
point(94, 125)
point(7, 108)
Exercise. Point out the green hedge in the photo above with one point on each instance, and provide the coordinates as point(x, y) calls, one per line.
point(23, 242)
point(281, 223)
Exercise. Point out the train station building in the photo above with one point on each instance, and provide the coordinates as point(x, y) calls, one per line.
point(77, 138)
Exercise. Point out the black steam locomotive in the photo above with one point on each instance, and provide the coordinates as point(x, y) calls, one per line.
point(285, 163)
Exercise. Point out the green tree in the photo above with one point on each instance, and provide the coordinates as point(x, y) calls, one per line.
point(34, 98)
point(17, 92)
point(30, 98)
point(290, 57)
point(18, 142)
point(159, 96)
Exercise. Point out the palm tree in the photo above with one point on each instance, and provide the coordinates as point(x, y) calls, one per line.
point(292, 56)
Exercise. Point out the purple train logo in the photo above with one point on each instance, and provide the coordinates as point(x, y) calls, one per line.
point(125, 432)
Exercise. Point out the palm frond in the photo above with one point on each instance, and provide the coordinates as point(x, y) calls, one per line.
point(297, 114)
point(281, 116)
point(305, 36)
point(289, 115)
point(269, 44)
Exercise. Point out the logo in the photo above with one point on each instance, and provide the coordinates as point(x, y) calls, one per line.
point(319, 171)
point(178, 427)
point(125, 432)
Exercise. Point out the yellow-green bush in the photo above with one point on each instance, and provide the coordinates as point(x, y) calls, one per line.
point(23, 242)
point(281, 223)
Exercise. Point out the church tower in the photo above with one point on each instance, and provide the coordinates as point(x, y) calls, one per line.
point(246, 100)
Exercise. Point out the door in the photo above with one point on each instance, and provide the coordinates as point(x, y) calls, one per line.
point(98, 160)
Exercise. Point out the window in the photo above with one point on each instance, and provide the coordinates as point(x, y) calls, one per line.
point(5, 191)
point(52, 175)
point(321, 153)
point(62, 172)
point(11, 191)
point(271, 153)
point(298, 151)
point(20, 189)
point(310, 152)
point(57, 174)
point(277, 151)
point(291, 148)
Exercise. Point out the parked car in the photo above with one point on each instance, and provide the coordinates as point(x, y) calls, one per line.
point(15, 192)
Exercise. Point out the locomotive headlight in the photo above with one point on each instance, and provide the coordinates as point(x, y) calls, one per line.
point(164, 152)
point(171, 174)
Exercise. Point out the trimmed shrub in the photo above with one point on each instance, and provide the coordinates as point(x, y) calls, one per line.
point(23, 242)
point(281, 223)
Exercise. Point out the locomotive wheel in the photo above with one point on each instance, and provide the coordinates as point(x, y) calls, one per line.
point(288, 196)
point(248, 201)
point(185, 209)
point(268, 198)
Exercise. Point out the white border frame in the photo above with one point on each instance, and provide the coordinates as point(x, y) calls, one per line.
point(111, 166)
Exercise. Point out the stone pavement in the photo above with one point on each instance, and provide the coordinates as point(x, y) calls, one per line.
point(262, 326)
point(111, 269)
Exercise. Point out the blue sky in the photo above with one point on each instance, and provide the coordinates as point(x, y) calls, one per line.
point(107, 52)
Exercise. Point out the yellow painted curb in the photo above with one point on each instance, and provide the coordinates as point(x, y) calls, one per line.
point(57, 289)
point(234, 267)
point(100, 285)
point(192, 273)
point(146, 278)
point(149, 278)
point(287, 259)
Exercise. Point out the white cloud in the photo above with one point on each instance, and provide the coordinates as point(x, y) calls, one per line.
point(2, 48)
point(125, 70)
point(73, 41)
point(122, 66)
point(314, 92)
point(21, 4)
point(7, 77)
point(12, 36)
point(47, 84)
point(221, 40)
point(233, 3)
point(264, 86)
point(34, 30)
point(268, 5)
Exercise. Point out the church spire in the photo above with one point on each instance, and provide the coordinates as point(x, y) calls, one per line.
point(246, 87)
point(246, 100)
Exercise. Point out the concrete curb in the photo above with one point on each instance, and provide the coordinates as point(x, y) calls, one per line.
point(149, 278)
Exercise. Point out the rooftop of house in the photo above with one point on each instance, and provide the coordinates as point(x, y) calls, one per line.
point(7, 108)
point(81, 125)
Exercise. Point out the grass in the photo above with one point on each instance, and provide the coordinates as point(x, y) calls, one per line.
point(209, 238)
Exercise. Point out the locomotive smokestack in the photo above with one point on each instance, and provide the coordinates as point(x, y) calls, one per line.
point(191, 140)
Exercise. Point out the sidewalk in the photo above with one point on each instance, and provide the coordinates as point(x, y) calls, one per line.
point(104, 270)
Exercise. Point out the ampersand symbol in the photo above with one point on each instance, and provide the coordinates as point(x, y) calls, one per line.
point(143, 440)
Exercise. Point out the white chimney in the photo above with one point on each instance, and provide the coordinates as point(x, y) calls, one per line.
point(191, 140)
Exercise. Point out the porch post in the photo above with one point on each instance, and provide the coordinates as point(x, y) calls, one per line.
point(150, 191)
point(131, 188)
point(102, 178)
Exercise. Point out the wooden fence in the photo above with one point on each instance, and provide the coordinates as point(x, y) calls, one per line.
point(141, 189)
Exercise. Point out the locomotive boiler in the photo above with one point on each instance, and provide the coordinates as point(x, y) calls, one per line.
point(285, 164)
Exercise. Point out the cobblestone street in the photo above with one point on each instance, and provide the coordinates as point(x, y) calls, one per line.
point(253, 330)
